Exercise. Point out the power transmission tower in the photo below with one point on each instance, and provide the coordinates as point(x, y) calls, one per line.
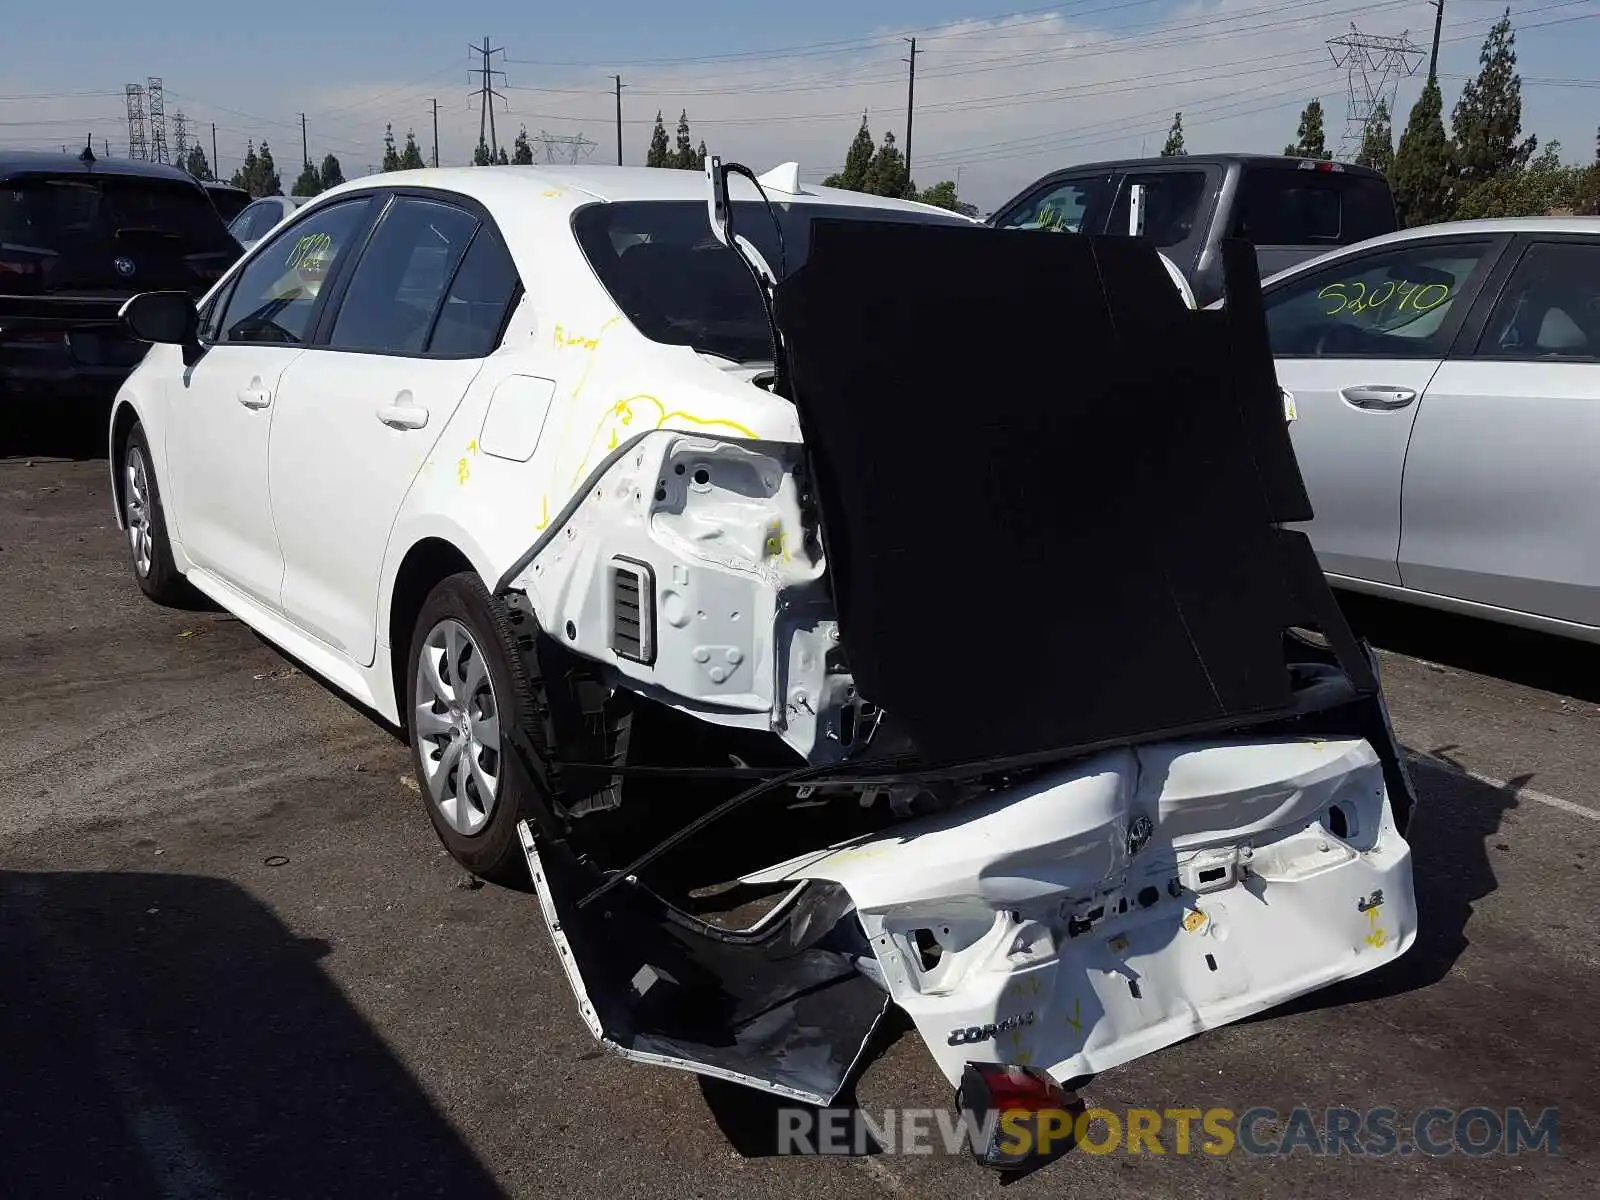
point(158, 121)
point(569, 150)
point(138, 146)
point(486, 93)
point(1374, 65)
point(180, 137)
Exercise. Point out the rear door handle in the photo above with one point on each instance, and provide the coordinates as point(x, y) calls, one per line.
point(403, 416)
point(255, 397)
point(1378, 396)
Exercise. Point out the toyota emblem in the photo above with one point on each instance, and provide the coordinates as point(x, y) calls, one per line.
point(124, 266)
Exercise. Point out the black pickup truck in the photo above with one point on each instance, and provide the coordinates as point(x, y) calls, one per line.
point(1290, 209)
point(78, 236)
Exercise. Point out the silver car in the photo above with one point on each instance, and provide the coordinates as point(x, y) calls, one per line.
point(1446, 381)
point(258, 218)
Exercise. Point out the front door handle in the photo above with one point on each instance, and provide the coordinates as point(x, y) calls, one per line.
point(255, 397)
point(403, 416)
point(1378, 396)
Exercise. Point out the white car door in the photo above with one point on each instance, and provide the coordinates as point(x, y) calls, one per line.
point(222, 407)
point(1502, 490)
point(424, 306)
point(1356, 342)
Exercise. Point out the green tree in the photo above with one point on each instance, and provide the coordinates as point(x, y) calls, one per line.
point(391, 156)
point(480, 154)
point(309, 182)
point(660, 153)
point(521, 151)
point(886, 174)
point(1422, 176)
point(683, 149)
point(263, 178)
point(332, 173)
point(196, 164)
point(1377, 141)
point(411, 157)
point(857, 161)
point(943, 195)
point(1589, 184)
point(1174, 146)
point(500, 159)
point(244, 175)
point(1543, 188)
point(1487, 119)
point(1311, 143)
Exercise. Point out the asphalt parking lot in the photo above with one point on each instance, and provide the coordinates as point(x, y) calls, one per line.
point(234, 960)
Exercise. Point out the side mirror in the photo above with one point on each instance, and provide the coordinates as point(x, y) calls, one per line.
point(167, 318)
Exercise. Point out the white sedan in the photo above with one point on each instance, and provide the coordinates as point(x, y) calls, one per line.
point(539, 465)
point(1447, 384)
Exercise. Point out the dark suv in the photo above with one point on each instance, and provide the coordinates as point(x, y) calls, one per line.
point(78, 236)
point(1291, 209)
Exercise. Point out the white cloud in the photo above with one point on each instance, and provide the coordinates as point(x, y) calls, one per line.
point(1000, 102)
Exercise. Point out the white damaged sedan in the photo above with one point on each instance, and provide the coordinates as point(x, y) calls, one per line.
point(749, 574)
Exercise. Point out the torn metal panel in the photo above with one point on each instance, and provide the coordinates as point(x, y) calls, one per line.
point(1118, 905)
point(783, 1007)
point(1114, 482)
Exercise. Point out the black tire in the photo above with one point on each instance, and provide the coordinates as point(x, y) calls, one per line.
point(493, 852)
point(159, 579)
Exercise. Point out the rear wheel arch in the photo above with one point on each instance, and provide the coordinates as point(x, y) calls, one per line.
point(426, 563)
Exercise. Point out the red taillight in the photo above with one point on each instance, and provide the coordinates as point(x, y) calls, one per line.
point(1027, 1116)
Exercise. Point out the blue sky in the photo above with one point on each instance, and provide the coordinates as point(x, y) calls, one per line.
point(1003, 94)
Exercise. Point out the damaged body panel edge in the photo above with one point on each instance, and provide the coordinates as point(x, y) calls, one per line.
point(1164, 807)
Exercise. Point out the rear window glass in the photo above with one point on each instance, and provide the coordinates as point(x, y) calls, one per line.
point(1285, 206)
point(56, 212)
point(666, 270)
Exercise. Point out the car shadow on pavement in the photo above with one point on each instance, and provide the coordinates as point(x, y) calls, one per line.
point(754, 1122)
point(1536, 660)
point(39, 426)
point(166, 1035)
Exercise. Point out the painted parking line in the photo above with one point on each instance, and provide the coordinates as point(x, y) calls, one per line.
point(1501, 785)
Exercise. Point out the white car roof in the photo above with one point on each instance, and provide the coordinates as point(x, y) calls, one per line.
point(1492, 225)
point(611, 184)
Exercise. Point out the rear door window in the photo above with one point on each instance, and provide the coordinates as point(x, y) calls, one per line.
point(1289, 206)
point(1172, 202)
point(401, 278)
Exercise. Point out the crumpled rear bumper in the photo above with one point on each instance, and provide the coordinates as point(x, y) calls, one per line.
point(1132, 900)
point(1102, 911)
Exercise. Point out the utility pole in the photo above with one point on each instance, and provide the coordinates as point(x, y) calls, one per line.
point(305, 151)
point(216, 163)
point(1438, 26)
point(435, 104)
point(486, 93)
point(618, 78)
point(911, 94)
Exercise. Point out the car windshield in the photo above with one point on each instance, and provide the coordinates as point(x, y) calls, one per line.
point(55, 212)
point(662, 265)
